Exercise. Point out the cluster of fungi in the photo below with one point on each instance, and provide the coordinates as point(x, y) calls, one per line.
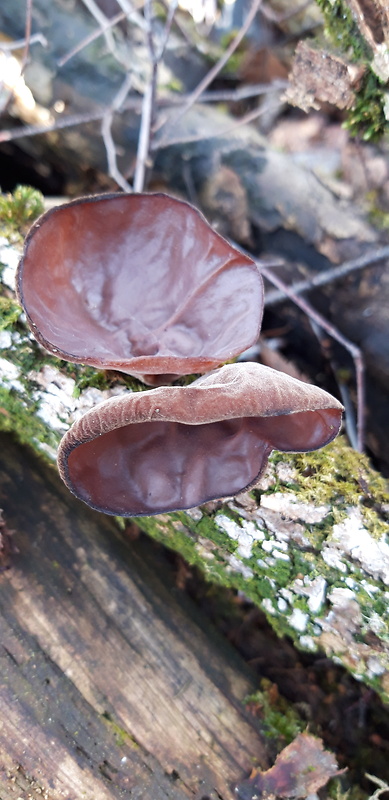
point(140, 283)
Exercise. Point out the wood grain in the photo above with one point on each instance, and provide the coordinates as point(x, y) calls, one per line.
point(112, 685)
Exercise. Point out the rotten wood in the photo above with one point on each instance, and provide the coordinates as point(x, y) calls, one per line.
point(112, 682)
point(319, 76)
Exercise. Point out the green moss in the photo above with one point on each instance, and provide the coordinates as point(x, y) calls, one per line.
point(19, 416)
point(377, 215)
point(279, 719)
point(27, 356)
point(207, 529)
point(19, 210)
point(335, 791)
point(122, 737)
point(281, 572)
point(343, 30)
point(177, 536)
point(340, 477)
point(366, 118)
point(9, 312)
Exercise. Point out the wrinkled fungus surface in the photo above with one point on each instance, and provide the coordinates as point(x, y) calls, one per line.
point(138, 283)
point(176, 447)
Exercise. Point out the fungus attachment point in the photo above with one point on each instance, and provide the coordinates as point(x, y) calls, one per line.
point(176, 447)
point(139, 283)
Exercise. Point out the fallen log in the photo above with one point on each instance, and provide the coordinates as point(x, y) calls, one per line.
point(112, 683)
point(308, 545)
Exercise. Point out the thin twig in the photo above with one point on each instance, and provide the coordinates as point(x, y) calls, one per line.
point(217, 96)
point(240, 93)
point(249, 117)
point(17, 44)
point(150, 95)
point(180, 27)
point(167, 28)
point(27, 36)
point(278, 17)
point(352, 348)
point(130, 103)
point(103, 22)
point(211, 75)
point(330, 275)
point(132, 14)
point(349, 413)
point(110, 23)
point(383, 787)
point(62, 122)
point(148, 109)
point(106, 132)
point(107, 32)
point(144, 139)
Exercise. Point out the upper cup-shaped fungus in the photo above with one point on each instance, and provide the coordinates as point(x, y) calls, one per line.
point(176, 447)
point(138, 283)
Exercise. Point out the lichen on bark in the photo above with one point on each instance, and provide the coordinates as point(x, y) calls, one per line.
point(308, 545)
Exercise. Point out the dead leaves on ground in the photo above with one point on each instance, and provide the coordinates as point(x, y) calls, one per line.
point(300, 769)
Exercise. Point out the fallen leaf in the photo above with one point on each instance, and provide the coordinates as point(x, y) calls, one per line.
point(300, 769)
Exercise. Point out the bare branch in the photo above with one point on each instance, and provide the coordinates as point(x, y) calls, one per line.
point(240, 93)
point(352, 348)
point(209, 77)
point(103, 22)
point(150, 95)
point(144, 139)
point(278, 17)
point(110, 23)
point(136, 103)
point(27, 36)
point(249, 117)
point(107, 32)
point(180, 27)
point(63, 122)
point(168, 25)
point(132, 14)
point(17, 44)
point(106, 132)
point(330, 275)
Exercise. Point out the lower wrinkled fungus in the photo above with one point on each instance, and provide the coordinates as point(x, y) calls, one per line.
point(176, 447)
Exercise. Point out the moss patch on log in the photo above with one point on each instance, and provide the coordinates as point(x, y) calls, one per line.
point(19, 210)
point(367, 116)
point(282, 546)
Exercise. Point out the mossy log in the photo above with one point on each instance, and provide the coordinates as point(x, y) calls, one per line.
point(308, 545)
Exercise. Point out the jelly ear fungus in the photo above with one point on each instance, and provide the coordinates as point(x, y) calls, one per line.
point(138, 283)
point(142, 284)
point(176, 447)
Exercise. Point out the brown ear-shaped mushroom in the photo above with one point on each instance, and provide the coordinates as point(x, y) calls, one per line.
point(176, 447)
point(138, 283)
